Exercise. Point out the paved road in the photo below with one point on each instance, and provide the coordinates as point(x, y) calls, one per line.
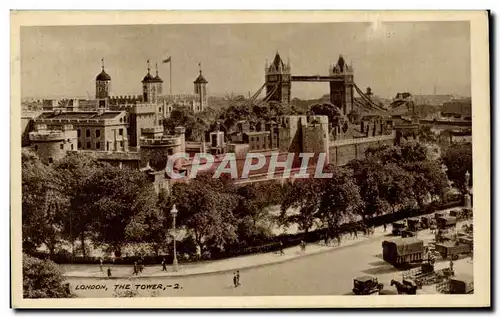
point(329, 273)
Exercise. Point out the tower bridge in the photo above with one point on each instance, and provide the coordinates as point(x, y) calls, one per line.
point(279, 78)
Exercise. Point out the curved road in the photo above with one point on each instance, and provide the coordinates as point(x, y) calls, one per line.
point(327, 273)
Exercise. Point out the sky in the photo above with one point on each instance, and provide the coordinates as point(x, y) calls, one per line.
point(416, 57)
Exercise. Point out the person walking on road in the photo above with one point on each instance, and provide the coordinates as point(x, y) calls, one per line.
point(281, 248)
point(164, 265)
point(136, 269)
point(100, 265)
point(238, 279)
point(109, 272)
point(235, 280)
point(385, 227)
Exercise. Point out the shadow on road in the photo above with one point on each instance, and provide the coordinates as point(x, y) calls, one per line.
point(378, 263)
point(381, 270)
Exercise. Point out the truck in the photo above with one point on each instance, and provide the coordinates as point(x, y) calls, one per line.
point(397, 227)
point(446, 222)
point(403, 251)
point(453, 250)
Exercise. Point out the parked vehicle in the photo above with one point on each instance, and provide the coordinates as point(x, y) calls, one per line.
point(453, 250)
point(425, 221)
point(397, 227)
point(367, 285)
point(446, 222)
point(462, 284)
point(403, 251)
point(414, 224)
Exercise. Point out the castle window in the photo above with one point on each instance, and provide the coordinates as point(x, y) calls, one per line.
point(72, 147)
point(121, 144)
point(121, 120)
point(87, 133)
point(79, 133)
point(88, 145)
point(79, 144)
point(98, 133)
point(120, 132)
point(107, 146)
point(61, 146)
point(159, 109)
point(98, 145)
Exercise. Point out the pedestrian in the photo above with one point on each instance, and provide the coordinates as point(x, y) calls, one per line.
point(164, 265)
point(338, 239)
point(385, 227)
point(238, 278)
point(109, 272)
point(281, 248)
point(355, 232)
point(100, 265)
point(136, 269)
point(451, 266)
point(235, 280)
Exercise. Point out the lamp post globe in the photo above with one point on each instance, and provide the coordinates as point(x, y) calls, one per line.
point(173, 212)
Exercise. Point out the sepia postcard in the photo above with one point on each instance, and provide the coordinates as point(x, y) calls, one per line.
point(250, 159)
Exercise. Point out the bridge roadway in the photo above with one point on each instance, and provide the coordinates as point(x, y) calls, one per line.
point(327, 273)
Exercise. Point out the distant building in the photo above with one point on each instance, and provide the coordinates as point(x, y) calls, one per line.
point(53, 144)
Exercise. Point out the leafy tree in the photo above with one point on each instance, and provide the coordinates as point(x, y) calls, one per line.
point(458, 160)
point(340, 198)
point(120, 200)
point(429, 178)
point(73, 171)
point(304, 195)
point(399, 188)
point(205, 207)
point(43, 202)
point(43, 279)
point(425, 134)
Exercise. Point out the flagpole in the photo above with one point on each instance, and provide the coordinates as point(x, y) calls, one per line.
point(170, 76)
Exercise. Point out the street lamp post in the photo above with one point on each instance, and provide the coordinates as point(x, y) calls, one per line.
point(173, 212)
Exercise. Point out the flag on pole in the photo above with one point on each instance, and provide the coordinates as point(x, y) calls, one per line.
point(168, 60)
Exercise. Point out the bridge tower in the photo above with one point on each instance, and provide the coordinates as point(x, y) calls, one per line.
point(278, 74)
point(342, 91)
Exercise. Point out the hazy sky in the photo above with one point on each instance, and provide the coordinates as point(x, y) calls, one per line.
point(388, 57)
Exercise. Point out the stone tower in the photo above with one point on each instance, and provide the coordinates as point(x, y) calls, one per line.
point(200, 89)
point(342, 91)
point(102, 88)
point(150, 88)
point(278, 81)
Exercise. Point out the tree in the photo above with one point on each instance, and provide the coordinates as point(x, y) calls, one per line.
point(206, 208)
point(458, 160)
point(428, 178)
point(43, 279)
point(399, 189)
point(73, 171)
point(340, 198)
point(304, 195)
point(43, 202)
point(120, 200)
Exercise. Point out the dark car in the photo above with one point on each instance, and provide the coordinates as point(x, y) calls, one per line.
point(366, 285)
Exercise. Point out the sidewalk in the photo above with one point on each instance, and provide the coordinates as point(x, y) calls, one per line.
point(212, 267)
